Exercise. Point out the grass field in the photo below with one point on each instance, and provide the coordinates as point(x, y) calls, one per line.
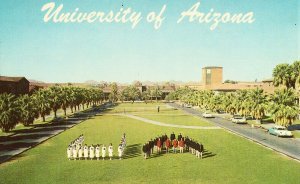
point(228, 158)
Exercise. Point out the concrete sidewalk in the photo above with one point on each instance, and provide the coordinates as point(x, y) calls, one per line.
point(166, 124)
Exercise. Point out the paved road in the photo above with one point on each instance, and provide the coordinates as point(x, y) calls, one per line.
point(23, 140)
point(166, 124)
point(287, 146)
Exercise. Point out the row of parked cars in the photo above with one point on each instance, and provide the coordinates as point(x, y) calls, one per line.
point(276, 130)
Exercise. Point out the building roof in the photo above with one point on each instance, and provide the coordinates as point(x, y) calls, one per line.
point(268, 80)
point(211, 67)
point(11, 79)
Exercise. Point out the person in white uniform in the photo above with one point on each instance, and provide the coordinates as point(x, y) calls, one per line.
point(103, 152)
point(120, 151)
point(86, 152)
point(92, 152)
point(110, 151)
point(80, 153)
point(69, 152)
point(97, 151)
point(74, 153)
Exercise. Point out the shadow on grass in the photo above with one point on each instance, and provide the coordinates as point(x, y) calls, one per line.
point(207, 154)
point(132, 151)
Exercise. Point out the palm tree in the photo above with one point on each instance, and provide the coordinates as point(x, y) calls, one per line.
point(43, 102)
point(296, 73)
point(282, 75)
point(283, 106)
point(131, 93)
point(55, 98)
point(258, 100)
point(146, 95)
point(65, 99)
point(113, 96)
point(156, 92)
point(28, 109)
point(296, 78)
point(9, 112)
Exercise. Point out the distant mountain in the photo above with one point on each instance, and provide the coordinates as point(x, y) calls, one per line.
point(92, 82)
point(35, 81)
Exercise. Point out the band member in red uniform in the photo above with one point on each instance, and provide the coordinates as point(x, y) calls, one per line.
point(158, 144)
point(168, 145)
point(181, 145)
point(175, 145)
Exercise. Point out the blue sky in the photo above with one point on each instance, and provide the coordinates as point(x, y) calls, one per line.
point(115, 52)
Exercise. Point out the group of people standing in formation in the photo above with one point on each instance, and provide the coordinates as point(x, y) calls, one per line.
point(76, 150)
point(182, 143)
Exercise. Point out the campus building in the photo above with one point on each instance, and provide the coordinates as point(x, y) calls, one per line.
point(212, 79)
point(14, 85)
point(212, 75)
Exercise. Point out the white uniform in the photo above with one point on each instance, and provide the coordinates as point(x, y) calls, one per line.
point(86, 152)
point(69, 153)
point(110, 151)
point(80, 153)
point(103, 152)
point(74, 153)
point(97, 152)
point(120, 151)
point(92, 152)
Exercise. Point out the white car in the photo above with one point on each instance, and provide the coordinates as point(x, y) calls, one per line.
point(207, 115)
point(188, 106)
point(280, 131)
point(238, 119)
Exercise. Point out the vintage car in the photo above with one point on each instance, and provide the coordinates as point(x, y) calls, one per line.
point(280, 131)
point(238, 119)
point(207, 115)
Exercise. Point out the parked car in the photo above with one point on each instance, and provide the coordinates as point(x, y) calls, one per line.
point(207, 115)
point(188, 106)
point(220, 112)
point(280, 131)
point(238, 119)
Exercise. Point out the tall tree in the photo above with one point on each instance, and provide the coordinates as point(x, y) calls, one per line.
point(283, 107)
point(156, 92)
point(283, 74)
point(9, 112)
point(113, 96)
point(55, 98)
point(43, 102)
point(257, 99)
point(131, 93)
point(65, 99)
point(28, 109)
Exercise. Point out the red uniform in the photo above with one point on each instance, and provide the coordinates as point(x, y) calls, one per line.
point(158, 144)
point(168, 143)
point(175, 143)
point(181, 143)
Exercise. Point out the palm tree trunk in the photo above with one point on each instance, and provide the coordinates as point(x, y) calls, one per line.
point(65, 110)
point(43, 118)
point(55, 116)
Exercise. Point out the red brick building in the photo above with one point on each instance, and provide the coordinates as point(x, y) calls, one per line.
point(14, 85)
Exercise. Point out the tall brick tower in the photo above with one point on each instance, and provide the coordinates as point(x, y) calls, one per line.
point(212, 75)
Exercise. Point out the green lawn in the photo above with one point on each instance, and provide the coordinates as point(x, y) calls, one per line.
point(229, 158)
